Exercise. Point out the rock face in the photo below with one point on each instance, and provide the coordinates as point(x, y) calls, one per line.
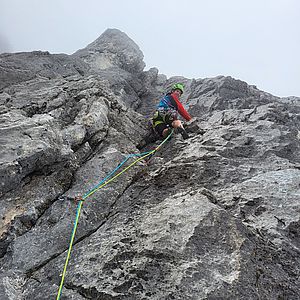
point(212, 217)
point(23, 66)
point(113, 49)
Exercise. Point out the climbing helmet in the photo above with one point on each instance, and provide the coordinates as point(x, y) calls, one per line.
point(178, 86)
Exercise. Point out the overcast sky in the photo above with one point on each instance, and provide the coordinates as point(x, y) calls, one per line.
point(257, 41)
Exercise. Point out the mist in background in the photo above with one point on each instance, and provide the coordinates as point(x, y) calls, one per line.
point(256, 41)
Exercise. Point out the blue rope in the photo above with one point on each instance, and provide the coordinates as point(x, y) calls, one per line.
point(114, 171)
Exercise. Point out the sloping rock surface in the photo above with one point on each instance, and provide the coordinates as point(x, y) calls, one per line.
point(23, 66)
point(215, 216)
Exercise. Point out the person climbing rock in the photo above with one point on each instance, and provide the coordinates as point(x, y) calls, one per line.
point(165, 118)
point(166, 115)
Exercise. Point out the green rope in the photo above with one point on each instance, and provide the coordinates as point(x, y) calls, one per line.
point(91, 192)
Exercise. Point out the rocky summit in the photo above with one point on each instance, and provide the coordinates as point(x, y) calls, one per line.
point(215, 216)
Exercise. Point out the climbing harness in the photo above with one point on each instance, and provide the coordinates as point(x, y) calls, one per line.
point(164, 117)
point(109, 178)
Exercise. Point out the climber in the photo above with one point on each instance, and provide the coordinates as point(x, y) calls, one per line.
point(166, 116)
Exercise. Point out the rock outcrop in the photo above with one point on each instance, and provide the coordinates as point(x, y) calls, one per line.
point(113, 49)
point(212, 217)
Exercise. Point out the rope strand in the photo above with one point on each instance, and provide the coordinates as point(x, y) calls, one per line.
point(100, 185)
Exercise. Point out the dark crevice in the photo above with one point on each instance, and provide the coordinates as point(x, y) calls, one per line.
point(30, 272)
point(90, 293)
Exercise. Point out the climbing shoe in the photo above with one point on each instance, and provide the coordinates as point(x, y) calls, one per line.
point(183, 133)
point(148, 139)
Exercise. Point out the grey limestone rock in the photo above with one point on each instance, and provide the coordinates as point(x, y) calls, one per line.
point(23, 66)
point(215, 216)
point(113, 49)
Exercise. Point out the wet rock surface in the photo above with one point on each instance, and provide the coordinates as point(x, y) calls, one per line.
point(215, 216)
